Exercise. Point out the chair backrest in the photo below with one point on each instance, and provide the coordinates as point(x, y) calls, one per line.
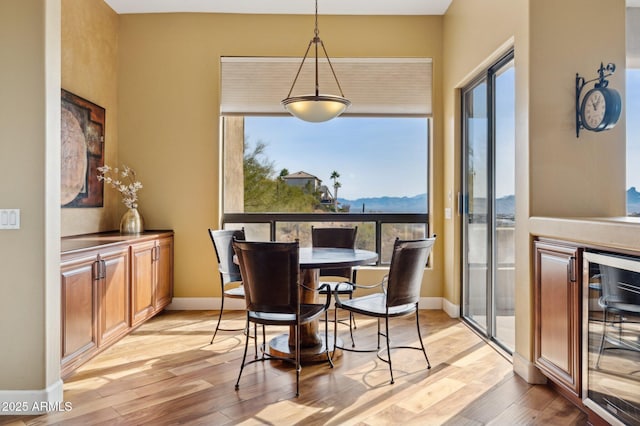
point(335, 237)
point(222, 240)
point(408, 260)
point(270, 273)
point(619, 286)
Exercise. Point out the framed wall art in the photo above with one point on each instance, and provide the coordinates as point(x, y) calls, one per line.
point(82, 136)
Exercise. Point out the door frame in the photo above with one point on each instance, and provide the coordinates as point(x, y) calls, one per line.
point(486, 75)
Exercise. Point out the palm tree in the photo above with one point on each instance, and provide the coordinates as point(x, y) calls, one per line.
point(335, 175)
point(336, 185)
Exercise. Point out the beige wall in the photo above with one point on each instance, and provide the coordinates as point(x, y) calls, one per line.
point(557, 174)
point(572, 176)
point(29, 180)
point(168, 97)
point(89, 70)
point(475, 35)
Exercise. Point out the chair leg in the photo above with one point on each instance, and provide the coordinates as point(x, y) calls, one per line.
point(219, 317)
point(352, 323)
point(255, 339)
point(298, 366)
point(244, 356)
point(386, 326)
point(335, 327)
point(378, 320)
point(326, 338)
point(420, 339)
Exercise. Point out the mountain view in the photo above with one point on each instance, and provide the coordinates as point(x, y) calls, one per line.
point(505, 206)
point(416, 204)
point(633, 202)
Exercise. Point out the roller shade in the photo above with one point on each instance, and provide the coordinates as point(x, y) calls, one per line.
point(375, 86)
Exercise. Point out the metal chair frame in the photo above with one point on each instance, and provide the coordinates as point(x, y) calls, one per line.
point(271, 275)
point(341, 237)
point(620, 305)
point(228, 270)
point(399, 296)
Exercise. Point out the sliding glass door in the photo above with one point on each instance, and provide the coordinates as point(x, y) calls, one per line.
point(488, 206)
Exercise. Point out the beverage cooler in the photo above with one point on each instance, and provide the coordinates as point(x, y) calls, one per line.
point(611, 336)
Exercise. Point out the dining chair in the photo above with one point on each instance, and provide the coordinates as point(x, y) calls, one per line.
point(340, 238)
point(620, 302)
point(398, 296)
point(230, 279)
point(271, 276)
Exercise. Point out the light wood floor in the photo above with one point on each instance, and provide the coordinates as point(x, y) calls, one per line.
point(166, 372)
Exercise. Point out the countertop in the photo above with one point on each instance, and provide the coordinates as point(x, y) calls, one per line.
point(88, 241)
point(614, 232)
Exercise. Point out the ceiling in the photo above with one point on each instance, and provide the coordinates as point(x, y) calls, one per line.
point(325, 7)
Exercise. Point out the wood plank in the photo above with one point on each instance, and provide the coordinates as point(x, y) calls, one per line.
point(166, 372)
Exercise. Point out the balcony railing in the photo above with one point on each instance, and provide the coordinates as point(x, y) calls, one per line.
point(376, 231)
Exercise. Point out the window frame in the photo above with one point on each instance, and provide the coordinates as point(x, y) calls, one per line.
point(237, 220)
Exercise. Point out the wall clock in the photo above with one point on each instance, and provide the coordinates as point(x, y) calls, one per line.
point(601, 106)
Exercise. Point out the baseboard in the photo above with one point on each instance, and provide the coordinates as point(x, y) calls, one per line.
point(450, 309)
point(430, 303)
point(29, 402)
point(205, 304)
point(527, 370)
point(213, 303)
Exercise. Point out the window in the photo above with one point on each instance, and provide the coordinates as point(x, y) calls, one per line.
point(368, 167)
point(371, 172)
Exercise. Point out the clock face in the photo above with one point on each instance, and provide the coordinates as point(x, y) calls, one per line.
point(594, 108)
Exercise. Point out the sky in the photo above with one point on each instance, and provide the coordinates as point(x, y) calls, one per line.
point(375, 157)
point(505, 135)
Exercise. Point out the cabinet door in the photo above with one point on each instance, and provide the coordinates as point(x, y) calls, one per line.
point(114, 295)
point(142, 281)
point(164, 270)
point(79, 312)
point(557, 313)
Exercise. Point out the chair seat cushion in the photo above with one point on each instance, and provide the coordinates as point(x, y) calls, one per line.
point(623, 307)
point(308, 312)
point(343, 287)
point(235, 292)
point(376, 305)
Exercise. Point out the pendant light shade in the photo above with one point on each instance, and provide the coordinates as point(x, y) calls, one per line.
point(316, 108)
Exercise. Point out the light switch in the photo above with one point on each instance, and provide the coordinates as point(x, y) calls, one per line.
point(447, 213)
point(9, 218)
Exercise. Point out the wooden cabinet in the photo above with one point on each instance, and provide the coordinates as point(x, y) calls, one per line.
point(152, 278)
point(113, 295)
point(142, 281)
point(79, 311)
point(164, 271)
point(110, 284)
point(557, 311)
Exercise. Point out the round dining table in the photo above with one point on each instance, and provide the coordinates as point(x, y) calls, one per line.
point(312, 259)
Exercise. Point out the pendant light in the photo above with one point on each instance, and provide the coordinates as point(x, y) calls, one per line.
point(317, 107)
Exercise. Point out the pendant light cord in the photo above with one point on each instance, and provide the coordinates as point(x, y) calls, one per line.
point(316, 40)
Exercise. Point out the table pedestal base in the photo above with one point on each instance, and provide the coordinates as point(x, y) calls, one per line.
point(279, 346)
